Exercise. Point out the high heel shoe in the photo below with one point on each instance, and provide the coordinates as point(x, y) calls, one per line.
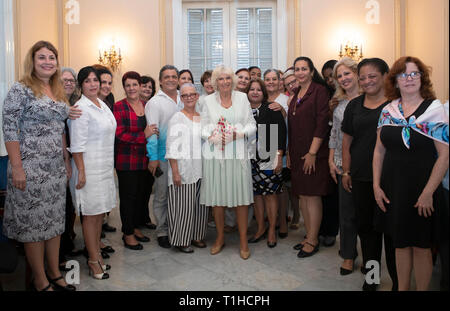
point(257, 239)
point(271, 244)
point(244, 254)
point(98, 276)
point(217, 249)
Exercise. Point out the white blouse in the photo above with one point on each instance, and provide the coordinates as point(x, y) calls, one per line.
point(184, 144)
point(93, 135)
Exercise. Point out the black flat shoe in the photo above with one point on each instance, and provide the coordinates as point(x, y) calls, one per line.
point(344, 271)
point(142, 239)
point(163, 241)
point(108, 228)
point(108, 249)
point(303, 254)
point(271, 244)
point(282, 235)
point(57, 287)
point(257, 239)
point(136, 247)
point(298, 246)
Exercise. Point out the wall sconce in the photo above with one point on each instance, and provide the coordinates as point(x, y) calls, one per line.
point(110, 58)
point(352, 51)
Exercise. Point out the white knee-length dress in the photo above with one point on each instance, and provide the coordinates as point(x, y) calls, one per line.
point(93, 135)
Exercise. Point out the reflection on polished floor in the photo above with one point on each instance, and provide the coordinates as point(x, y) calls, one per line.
point(158, 269)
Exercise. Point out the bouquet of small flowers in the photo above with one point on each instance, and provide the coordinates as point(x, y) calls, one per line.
point(223, 127)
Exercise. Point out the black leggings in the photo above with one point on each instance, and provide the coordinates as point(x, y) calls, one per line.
point(371, 240)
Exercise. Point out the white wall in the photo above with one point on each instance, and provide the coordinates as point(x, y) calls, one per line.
point(324, 21)
point(427, 38)
point(134, 25)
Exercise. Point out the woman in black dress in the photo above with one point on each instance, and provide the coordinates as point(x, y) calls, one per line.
point(267, 164)
point(359, 128)
point(409, 163)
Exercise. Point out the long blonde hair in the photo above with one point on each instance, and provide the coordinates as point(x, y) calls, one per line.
point(353, 66)
point(30, 79)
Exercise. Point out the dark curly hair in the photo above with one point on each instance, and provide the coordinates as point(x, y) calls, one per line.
point(426, 87)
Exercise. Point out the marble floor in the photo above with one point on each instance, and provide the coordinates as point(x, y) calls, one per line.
point(158, 269)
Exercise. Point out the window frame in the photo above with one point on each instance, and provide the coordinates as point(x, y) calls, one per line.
point(279, 18)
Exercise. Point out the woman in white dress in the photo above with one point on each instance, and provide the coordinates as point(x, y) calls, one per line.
point(227, 122)
point(187, 219)
point(92, 183)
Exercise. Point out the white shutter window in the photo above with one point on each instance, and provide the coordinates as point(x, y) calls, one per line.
point(254, 37)
point(238, 34)
point(205, 40)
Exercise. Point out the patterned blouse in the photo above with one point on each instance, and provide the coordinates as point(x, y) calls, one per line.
point(336, 132)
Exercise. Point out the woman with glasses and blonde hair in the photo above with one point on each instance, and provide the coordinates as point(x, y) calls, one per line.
point(345, 73)
point(34, 113)
point(227, 122)
point(410, 160)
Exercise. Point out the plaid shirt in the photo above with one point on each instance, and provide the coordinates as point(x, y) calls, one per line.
point(130, 151)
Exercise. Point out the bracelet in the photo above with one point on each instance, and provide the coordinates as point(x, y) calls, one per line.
point(312, 154)
point(346, 173)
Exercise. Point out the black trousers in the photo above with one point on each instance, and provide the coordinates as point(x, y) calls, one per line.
point(330, 217)
point(144, 217)
point(371, 240)
point(132, 192)
point(67, 245)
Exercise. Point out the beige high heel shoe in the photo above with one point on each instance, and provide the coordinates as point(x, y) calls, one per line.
point(99, 276)
point(245, 254)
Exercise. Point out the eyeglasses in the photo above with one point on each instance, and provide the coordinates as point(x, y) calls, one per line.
point(66, 81)
point(290, 84)
point(187, 96)
point(413, 75)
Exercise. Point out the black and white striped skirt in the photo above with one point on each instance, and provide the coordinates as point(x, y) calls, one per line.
point(187, 219)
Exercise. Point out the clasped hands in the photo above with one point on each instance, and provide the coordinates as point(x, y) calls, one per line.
point(224, 138)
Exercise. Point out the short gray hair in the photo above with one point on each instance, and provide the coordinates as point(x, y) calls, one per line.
point(185, 85)
point(223, 70)
point(64, 69)
point(272, 70)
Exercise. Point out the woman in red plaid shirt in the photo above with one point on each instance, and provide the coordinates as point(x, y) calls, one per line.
point(130, 158)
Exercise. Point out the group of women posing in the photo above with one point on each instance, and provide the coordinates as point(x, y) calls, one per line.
point(388, 151)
